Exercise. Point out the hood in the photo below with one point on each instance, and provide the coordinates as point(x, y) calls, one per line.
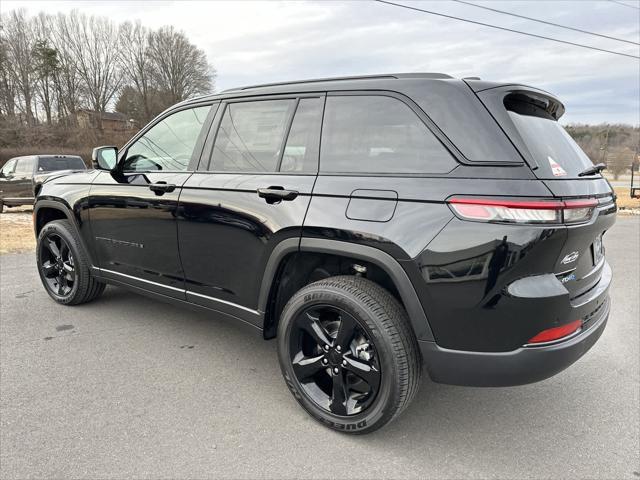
point(43, 177)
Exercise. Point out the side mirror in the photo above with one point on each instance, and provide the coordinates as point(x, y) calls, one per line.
point(104, 158)
point(2, 175)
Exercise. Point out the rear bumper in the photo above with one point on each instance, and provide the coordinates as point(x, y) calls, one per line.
point(527, 364)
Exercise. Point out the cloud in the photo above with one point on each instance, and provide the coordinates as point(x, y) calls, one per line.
point(258, 42)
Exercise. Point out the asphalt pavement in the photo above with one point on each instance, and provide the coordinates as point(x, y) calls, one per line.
point(130, 387)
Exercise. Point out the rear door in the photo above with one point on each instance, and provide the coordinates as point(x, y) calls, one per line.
point(251, 192)
point(530, 118)
point(133, 213)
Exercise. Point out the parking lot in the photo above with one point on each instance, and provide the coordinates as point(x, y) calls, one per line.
point(129, 387)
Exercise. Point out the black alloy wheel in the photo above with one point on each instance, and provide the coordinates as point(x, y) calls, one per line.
point(334, 360)
point(63, 265)
point(57, 265)
point(348, 353)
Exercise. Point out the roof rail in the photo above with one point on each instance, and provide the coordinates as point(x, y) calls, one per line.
point(337, 79)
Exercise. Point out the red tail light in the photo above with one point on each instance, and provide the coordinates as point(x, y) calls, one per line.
point(523, 211)
point(556, 333)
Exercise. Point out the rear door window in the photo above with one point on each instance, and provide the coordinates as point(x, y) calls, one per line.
point(25, 166)
point(379, 134)
point(251, 135)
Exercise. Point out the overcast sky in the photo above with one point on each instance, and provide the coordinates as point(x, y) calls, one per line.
point(262, 42)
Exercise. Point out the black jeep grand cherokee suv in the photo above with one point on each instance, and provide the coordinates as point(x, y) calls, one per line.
point(371, 224)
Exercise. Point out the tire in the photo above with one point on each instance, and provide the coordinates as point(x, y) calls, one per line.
point(55, 270)
point(322, 311)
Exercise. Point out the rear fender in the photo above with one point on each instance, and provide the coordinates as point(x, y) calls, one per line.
point(372, 255)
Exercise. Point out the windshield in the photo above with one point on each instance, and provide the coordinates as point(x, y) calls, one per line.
point(49, 164)
point(557, 155)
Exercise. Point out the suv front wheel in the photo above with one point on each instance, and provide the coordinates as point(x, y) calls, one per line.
point(348, 353)
point(63, 265)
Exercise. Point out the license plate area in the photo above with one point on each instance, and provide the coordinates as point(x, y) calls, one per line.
point(597, 250)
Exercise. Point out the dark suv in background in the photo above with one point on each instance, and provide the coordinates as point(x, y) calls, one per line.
point(21, 177)
point(371, 224)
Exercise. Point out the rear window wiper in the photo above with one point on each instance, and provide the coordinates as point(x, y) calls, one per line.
point(592, 170)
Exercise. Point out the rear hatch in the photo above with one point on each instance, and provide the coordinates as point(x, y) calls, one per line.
point(529, 117)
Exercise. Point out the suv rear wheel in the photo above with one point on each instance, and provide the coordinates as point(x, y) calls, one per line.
point(63, 265)
point(348, 353)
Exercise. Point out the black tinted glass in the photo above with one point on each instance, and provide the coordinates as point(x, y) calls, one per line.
point(49, 164)
point(250, 136)
point(377, 134)
point(556, 153)
point(301, 151)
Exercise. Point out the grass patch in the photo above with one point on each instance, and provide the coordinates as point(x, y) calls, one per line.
point(16, 230)
point(625, 202)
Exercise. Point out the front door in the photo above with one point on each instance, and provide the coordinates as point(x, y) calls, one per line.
point(251, 192)
point(133, 213)
point(7, 182)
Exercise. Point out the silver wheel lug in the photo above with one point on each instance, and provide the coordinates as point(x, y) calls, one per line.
point(325, 361)
point(336, 370)
point(344, 363)
point(326, 348)
point(339, 348)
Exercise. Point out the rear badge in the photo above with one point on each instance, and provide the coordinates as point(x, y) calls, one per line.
point(572, 257)
point(556, 169)
point(568, 278)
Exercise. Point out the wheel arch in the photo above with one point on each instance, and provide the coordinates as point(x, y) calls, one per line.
point(284, 252)
point(45, 211)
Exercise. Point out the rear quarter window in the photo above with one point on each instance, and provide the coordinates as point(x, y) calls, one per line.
point(378, 134)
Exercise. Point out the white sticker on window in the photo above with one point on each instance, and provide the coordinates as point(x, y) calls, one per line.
point(556, 169)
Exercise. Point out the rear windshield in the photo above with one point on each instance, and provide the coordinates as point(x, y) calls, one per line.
point(536, 120)
point(557, 155)
point(49, 164)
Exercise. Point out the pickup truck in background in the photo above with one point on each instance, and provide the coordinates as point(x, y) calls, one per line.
point(21, 177)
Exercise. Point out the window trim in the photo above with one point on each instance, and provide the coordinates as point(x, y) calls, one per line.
point(456, 155)
point(207, 153)
point(200, 141)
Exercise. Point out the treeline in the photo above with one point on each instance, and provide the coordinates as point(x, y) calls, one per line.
point(616, 145)
point(53, 66)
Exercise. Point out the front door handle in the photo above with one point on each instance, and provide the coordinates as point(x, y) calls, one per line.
point(277, 194)
point(160, 188)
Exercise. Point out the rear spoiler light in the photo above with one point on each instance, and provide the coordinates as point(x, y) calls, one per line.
point(508, 210)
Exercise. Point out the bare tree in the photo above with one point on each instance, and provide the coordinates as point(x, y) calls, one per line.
point(66, 79)
point(180, 68)
point(7, 87)
point(18, 38)
point(45, 58)
point(135, 62)
point(94, 44)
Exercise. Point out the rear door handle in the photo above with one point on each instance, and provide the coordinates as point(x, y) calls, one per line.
point(277, 194)
point(160, 188)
